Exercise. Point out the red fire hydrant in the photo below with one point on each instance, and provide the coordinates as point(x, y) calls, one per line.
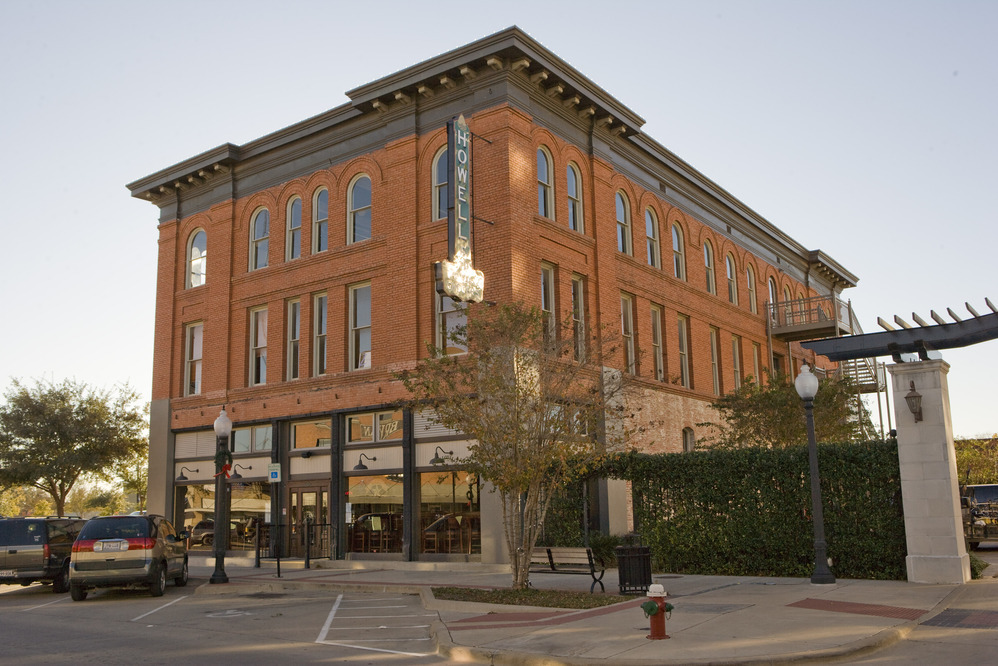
point(656, 610)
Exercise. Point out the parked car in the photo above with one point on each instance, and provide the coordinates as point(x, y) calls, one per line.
point(980, 514)
point(127, 551)
point(204, 532)
point(37, 549)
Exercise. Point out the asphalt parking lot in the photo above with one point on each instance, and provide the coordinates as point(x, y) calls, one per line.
point(129, 626)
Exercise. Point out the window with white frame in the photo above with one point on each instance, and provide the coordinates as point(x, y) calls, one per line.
point(319, 303)
point(651, 238)
point(678, 253)
point(359, 210)
point(197, 258)
point(750, 283)
point(658, 357)
point(756, 362)
point(574, 190)
point(547, 302)
point(292, 243)
point(623, 208)
point(729, 265)
point(360, 326)
point(545, 185)
point(715, 359)
point(194, 347)
point(258, 347)
point(736, 359)
point(579, 317)
point(440, 184)
point(294, 340)
point(708, 262)
point(320, 220)
point(253, 438)
point(259, 239)
point(452, 316)
point(683, 340)
point(627, 332)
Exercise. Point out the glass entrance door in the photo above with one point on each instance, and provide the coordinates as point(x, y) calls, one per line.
point(308, 524)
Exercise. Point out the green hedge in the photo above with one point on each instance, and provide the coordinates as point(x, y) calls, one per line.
point(747, 511)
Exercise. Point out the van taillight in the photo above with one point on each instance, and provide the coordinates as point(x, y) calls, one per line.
point(145, 543)
point(47, 552)
point(83, 545)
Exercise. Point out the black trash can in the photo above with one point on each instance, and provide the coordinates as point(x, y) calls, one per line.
point(633, 567)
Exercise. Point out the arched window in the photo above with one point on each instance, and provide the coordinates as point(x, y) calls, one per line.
point(750, 283)
point(678, 253)
point(545, 187)
point(651, 237)
point(359, 217)
point(574, 186)
point(320, 220)
point(292, 244)
point(729, 265)
point(689, 440)
point(773, 297)
point(259, 239)
point(197, 258)
point(708, 262)
point(788, 306)
point(440, 184)
point(623, 223)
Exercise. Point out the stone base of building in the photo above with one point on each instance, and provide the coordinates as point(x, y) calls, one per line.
point(945, 570)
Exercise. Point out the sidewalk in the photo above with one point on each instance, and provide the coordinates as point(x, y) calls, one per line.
point(717, 619)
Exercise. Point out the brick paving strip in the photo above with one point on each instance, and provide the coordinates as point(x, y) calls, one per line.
point(895, 612)
point(959, 618)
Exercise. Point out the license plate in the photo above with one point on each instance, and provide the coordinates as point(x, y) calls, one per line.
point(6, 573)
point(109, 546)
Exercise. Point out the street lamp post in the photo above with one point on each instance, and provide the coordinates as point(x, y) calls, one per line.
point(223, 461)
point(807, 386)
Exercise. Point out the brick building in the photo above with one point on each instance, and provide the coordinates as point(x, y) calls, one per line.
point(296, 275)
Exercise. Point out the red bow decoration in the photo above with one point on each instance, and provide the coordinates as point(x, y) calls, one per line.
point(225, 470)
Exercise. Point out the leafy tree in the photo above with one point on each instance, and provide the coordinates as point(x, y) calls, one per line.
point(134, 474)
point(772, 414)
point(977, 460)
point(93, 500)
point(51, 435)
point(533, 410)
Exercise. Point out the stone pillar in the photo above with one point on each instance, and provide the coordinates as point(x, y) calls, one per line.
point(929, 482)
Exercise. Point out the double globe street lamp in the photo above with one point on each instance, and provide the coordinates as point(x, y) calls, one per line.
point(807, 386)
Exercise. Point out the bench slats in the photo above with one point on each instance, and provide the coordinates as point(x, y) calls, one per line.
point(569, 561)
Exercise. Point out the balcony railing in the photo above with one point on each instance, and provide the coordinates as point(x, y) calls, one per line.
point(810, 318)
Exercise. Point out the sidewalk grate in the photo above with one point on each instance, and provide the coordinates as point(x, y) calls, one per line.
point(877, 610)
point(960, 618)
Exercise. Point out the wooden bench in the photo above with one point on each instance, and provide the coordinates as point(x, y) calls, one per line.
point(568, 561)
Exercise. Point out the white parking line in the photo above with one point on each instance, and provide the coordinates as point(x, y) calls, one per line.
point(329, 621)
point(44, 605)
point(381, 626)
point(136, 619)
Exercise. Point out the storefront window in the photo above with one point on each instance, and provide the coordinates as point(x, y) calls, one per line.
point(374, 514)
point(310, 434)
point(449, 513)
point(360, 427)
point(249, 508)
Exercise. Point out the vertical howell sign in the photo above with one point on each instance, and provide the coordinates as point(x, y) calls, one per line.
point(457, 276)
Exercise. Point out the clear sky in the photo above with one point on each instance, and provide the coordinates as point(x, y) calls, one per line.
point(866, 129)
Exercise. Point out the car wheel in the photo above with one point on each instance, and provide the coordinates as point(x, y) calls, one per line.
point(157, 583)
point(208, 539)
point(181, 580)
point(61, 583)
point(77, 592)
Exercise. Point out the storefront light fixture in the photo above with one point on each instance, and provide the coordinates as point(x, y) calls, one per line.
point(438, 456)
point(360, 466)
point(236, 468)
point(183, 478)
